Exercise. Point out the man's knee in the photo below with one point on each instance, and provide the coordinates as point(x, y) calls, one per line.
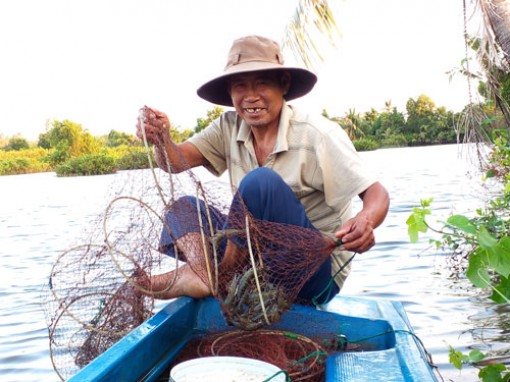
point(260, 180)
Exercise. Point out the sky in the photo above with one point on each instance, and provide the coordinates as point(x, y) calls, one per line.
point(97, 62)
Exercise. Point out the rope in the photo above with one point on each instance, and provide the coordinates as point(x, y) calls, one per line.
point(287, 377)
point(329, 286)
point(344, 341)
point(151, 165)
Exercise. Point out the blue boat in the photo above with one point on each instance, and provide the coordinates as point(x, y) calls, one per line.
point(391, 353)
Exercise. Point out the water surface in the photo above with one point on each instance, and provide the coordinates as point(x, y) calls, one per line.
point(41, 215)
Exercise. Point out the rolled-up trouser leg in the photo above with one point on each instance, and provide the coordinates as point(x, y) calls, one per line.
point(182, 217)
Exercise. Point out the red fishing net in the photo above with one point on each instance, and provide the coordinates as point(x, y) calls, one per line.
point(302, 358)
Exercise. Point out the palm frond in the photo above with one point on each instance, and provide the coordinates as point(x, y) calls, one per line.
point(491, 45)
point(496, 14)
point(312, 24)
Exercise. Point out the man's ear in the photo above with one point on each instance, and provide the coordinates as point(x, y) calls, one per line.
point(285, 82)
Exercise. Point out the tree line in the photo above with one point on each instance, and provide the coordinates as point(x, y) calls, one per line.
point(69, 149)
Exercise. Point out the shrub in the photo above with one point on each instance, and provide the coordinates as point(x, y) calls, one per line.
point(398, 140)
point(16, 144)
point(93, 164)
point(135, 158)
point(34, 153)
point(57, 156)
point(365, 144)
point(15, 166)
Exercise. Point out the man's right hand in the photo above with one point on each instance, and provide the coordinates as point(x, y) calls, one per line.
point(170, 156)
point(155, 124)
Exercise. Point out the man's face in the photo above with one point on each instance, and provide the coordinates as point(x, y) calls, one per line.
point(258, 96)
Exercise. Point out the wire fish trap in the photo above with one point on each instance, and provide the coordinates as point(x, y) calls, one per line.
point(117, 315)
point(301, 357)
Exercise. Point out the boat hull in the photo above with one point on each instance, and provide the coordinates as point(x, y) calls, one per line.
point(394, 353)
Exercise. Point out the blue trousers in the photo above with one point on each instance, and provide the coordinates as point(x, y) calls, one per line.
point(267, 197)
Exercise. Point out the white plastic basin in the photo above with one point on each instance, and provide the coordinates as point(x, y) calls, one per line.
point(221, 369)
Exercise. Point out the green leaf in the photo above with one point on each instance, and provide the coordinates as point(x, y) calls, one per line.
point(476, 355)
point(426, 202)
point(490, 174)
point(462, 223)
point(416, 224)
point(492, 373)
point(485, 239)
point(455, 358)
point(501, 293)
point(477, 269)
point(499, 257)
point(421, 212)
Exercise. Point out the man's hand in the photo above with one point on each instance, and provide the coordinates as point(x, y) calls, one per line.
point(357, 234)
point(171, 157)
point(155, 124)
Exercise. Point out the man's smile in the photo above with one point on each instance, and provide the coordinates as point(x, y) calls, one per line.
point(253, 110)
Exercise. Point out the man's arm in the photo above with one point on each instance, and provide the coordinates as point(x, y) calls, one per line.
point(357, 234)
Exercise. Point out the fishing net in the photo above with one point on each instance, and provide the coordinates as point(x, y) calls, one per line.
point(96, 291)
point(301, 357)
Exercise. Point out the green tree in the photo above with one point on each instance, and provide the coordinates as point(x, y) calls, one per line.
point(420, 119)
point(212, 114)
point(445, 127)
point(16, 143)
point(68, 140)
point(351, 123)
point(179, 136)
point(392, 122)
point(371, 122)
point(117, 138)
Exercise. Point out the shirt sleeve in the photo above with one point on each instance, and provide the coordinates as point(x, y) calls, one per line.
point(344, 174)
point(212, 143)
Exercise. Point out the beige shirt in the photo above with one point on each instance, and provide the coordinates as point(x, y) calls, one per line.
point(314, 156)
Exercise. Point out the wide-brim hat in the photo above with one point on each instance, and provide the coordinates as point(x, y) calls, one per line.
point(252, 54)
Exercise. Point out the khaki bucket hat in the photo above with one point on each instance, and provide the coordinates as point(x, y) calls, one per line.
point(251, 54)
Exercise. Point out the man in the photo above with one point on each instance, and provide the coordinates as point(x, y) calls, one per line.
point(305, 167)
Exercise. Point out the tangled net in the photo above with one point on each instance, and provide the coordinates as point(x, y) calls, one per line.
point(94, 296)
point(301, 357)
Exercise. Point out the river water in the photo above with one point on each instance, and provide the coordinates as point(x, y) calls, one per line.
point(41, 214)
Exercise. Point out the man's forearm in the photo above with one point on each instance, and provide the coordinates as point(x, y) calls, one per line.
point(376, 203)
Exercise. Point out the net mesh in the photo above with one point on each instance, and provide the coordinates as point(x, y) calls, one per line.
point(95, 296)
point(301, 357)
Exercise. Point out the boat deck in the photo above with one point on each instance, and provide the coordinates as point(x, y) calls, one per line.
point(390, 351)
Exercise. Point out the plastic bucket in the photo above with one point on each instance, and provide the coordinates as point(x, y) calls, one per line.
point(221, 369)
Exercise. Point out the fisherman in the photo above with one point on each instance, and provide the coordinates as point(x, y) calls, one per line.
point(288, 167)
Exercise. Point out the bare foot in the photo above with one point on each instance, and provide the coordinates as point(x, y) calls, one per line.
point(180, 282)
